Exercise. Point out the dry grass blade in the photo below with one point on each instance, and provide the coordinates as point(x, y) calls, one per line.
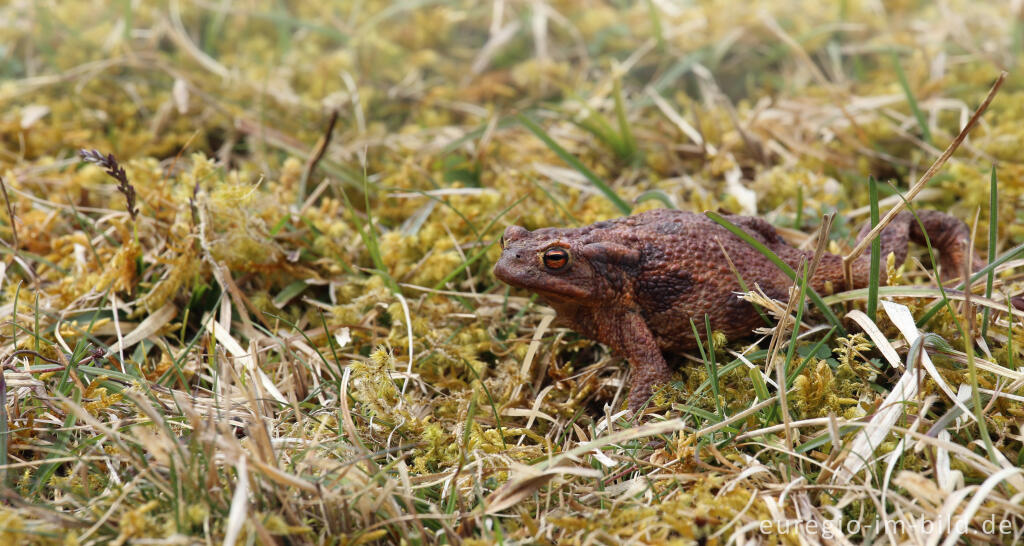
point(531, 352)
point(877, 337)
point(904, 321)
point(239, 504)
point(148, 327)
point(525, 481)
point(245, 358)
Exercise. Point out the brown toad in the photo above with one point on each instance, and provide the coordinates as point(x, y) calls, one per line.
point(635, 283)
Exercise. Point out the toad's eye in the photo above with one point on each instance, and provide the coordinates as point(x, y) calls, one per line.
point(501, 242)
point(556, 258)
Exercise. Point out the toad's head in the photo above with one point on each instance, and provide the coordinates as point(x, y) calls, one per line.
point(564, 266)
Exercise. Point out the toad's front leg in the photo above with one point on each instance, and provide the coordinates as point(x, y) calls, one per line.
point(628, 334)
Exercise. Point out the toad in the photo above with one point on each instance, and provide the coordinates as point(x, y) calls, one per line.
point(635, 283)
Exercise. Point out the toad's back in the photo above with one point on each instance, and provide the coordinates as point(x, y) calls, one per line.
point(686, 270)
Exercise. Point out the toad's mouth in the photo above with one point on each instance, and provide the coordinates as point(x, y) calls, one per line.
point(547, 286)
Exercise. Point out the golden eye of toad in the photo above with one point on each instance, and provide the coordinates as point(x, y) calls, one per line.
point(556, 258)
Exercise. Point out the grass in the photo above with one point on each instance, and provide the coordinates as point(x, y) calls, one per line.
point(269, 316)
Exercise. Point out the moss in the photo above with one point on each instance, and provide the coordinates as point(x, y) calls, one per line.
point(687, 517)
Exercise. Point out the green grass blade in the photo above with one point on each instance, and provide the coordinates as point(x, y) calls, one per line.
point(876, 252)
point(556, 202)
point(724, 370)
point(599, 126)
point(798, 220)
point(809, 354)
point(369, 237)
point(656, 195)
point(629, 151)
point(767, 253)
point(993, 223)
point(708, 358)
point(659, 34)
point(575, 164)
point(706, 415)
point(922, 122)
point(824, 439)
point(35, 258)
point(804, 284)
point(760, 387)
point(979, 407)
point(59, 448)
point(490, 400)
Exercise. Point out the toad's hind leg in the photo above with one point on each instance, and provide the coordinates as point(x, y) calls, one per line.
point(947, 234)
point(951, 237)
point(630, 336)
